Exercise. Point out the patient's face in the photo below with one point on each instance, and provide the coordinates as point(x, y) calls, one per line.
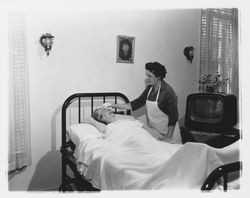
point(106, 115)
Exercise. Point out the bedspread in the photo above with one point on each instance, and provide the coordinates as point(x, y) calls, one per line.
point(130, 158)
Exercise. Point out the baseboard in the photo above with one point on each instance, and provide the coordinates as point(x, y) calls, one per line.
point(56, 188)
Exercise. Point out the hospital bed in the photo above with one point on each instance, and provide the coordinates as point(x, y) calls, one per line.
point(79, 106)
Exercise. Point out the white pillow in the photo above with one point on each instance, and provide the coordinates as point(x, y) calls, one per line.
point(81, 132)
point(99, 125)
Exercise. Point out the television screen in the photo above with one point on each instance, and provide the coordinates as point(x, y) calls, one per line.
point(205, 109)
point(211, 111)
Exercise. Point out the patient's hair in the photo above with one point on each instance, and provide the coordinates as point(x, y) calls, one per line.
point(98, 116)
point(157, 69)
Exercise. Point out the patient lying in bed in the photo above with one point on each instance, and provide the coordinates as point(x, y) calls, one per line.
point(128, 157)
point(105, 115)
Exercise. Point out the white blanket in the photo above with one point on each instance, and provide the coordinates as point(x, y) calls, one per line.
point(130, 158)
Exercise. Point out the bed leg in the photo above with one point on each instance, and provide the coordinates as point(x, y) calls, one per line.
point(225, 180)
point(63, 186)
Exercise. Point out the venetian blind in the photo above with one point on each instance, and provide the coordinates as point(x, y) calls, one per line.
point(219, 45)
point(19, 115)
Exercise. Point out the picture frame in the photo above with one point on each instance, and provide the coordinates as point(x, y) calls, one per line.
point(125, 49)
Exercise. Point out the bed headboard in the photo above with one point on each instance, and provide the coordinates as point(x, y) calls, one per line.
point(90, 100)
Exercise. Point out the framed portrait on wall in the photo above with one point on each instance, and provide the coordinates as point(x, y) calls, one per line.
point(125, 49)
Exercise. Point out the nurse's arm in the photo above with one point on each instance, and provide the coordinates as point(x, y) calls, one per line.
point(170, 131)
point(126, 106)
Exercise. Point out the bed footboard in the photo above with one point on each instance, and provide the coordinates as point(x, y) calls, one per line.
point(221, 172)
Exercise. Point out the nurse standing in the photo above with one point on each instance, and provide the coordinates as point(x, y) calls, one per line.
point(161, 103)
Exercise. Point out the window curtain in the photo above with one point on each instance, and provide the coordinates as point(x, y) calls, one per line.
point(219, 46)
point(19, 155)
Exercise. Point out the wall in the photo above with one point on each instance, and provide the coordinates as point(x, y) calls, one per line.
point(83, 60)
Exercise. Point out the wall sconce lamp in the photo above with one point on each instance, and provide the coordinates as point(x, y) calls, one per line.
point(189, 53)
point(46, 40)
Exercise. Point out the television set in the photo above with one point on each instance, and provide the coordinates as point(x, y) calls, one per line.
point(211, 112)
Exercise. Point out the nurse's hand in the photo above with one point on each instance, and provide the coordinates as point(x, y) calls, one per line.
point(167, 139)
point(107, 104)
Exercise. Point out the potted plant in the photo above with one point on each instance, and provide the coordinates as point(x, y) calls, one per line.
point(213, 83)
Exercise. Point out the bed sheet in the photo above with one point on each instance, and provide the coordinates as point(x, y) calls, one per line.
point(130, 158)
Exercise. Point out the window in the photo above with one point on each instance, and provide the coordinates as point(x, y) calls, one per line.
point(19, 115)
point(219, 46)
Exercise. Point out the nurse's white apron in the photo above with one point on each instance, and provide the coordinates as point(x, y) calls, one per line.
point(159, 120)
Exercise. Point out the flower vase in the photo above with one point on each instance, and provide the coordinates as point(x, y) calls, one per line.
point(210, 88)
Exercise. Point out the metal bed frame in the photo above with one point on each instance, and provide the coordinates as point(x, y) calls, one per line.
point(72, 180)
point(75, 181)
point(221, 172)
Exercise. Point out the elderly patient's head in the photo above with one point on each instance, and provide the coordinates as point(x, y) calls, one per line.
point(104, 115)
